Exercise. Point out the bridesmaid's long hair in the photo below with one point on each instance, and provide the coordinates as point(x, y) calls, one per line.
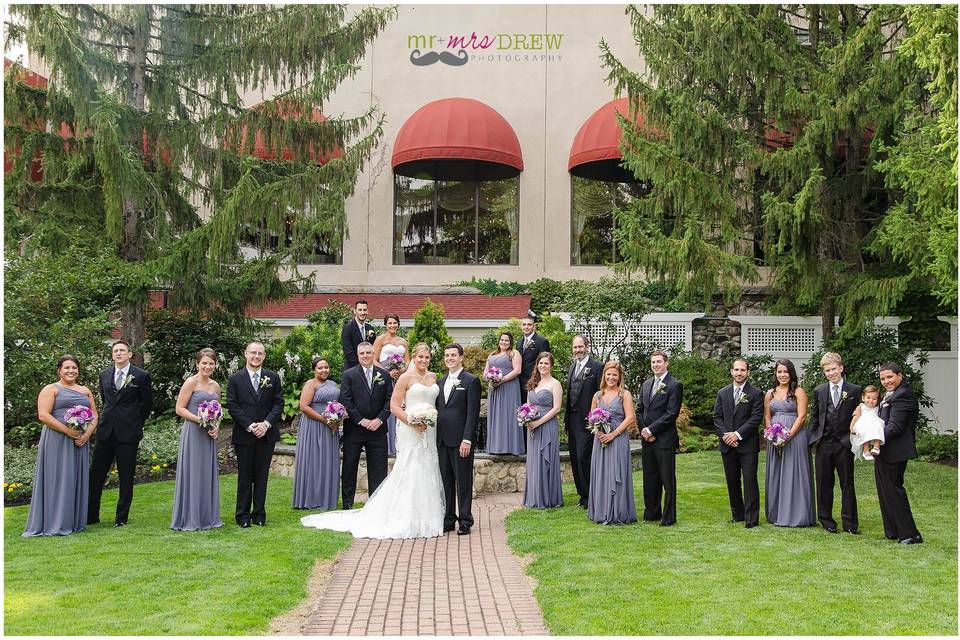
point(612, 364)
point(496, 350)
point(535, 378)
point(794, 381)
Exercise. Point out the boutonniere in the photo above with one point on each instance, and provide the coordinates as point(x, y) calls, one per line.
point(661, 388)
point(886, 398)
point(265, 382)
point(586, 371)
point(377, 378)
point(128, 381)
point(455, 385)
point(371, 334)
point(744, 398)
point(843, 396)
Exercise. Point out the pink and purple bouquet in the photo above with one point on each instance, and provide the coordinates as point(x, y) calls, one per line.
point(493, 375)
point(394, 362)
point(335, 412)
point(776, 434)
point(209, 412)
point(78, 417)
point(599, 420)
point(526, 413)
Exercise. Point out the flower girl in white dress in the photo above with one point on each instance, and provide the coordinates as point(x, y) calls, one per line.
point(866, 428)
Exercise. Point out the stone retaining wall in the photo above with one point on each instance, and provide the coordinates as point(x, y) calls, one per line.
point(492, 474)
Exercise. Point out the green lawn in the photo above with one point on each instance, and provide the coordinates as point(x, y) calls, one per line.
point(708, 576)
point(145, 579)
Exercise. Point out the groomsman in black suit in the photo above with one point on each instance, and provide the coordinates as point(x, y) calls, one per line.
point(583, 381)
point(255, 402)
point(458, 411)
point(737, 415)
point(531, 346)
point(365, 393)
point(835, 401)
point(658, 407)
point(899, 411)
point(127, 395)
point(354, 332)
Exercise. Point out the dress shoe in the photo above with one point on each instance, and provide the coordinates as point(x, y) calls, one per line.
point(830, 529)
point(260, 523)
point(582, 503)
point(667, 524)
point(244, 525)
point(447, 528)
point(917, 539)
point(346, 507)
point(750, 525)
point(891, 537)
point(853, 532)
point(464, 530)
point(735, 520)
point(119, 523)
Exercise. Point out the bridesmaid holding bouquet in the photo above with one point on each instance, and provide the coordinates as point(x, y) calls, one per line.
point(611, 476)
point(390, 350)
point(316, 480)
point(502, 372)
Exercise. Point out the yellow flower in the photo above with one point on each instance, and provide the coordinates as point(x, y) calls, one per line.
point(155, 467)
point(5, 485)
point(9, 490)
point(153, 456)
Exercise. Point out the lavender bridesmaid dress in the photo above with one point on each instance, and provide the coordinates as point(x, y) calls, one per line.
point(611, 477)
point(504, 435)
point(61, 482)
point(789, 473)
point(542, 487)
point(316, 479)
point(196, 498)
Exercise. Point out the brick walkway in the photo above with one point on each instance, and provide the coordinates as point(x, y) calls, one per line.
point(451, 585)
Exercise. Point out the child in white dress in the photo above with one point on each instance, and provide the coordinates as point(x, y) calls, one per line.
point(866, 427)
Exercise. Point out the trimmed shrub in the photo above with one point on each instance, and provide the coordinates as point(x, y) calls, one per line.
point(429, 328)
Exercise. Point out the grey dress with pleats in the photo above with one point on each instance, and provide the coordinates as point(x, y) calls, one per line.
point(196, 498)
point(611, 477)
point(504, 435)
point(542, 487)
point(61, 482)
point(316, 480)
point(789, 474)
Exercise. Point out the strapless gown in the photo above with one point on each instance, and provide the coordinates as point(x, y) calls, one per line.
point(409, 503)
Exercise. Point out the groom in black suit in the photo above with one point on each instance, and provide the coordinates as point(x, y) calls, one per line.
point(899, 411)
point(355, 331)
point(835, 401)
point(531, 345)
point(127, 400)
point(458, 410)
point(365, 393)
point(255, 402)
point(658, 407)
point(583, 381)
point(737, 415)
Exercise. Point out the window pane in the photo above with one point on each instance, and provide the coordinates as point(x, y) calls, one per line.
point(591, 222)
point(413, 220)
point(456, 222)
point(499, 218)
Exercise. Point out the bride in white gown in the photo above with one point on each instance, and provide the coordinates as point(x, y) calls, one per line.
point(409, 503)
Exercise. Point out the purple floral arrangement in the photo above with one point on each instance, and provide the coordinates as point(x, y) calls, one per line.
point(78, 417)
point(493, 374)
point(394, 363)
point(335, 412)
point(527, 412)
point(776, 434)
point(209, 412)
point(599, 420)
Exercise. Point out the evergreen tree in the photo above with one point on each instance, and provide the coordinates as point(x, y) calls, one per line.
point(430, 329)
point(147, 146)
point(764, 124)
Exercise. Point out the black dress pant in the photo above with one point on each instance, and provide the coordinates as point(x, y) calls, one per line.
point(104, 453)
point(659, 481)
point(894, 505)
point(456, 473)
point(833, 456)
point(745, 502)
point(355, 441)
point(581, 451)
point(253, 469)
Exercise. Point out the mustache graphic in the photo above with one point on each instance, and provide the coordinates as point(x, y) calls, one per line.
point(445, 57)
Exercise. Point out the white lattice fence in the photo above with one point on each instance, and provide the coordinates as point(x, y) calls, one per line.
point(668, 330)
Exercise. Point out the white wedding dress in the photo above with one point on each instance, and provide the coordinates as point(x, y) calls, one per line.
point(409, 503)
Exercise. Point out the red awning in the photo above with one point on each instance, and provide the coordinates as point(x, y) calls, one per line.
point(457, 132)
point(595, 152)
point(263, 151)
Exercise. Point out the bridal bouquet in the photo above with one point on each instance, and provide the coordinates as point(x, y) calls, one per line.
point(335, 413)
point(394, 362)
point(776, 434)
point(79, 417)
point(425, 415)
point(209, 412)
point(527, 413)
point(599, 420)
point(493, 375)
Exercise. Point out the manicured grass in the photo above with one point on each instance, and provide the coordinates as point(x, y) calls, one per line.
point(144, 579)
point(708, 576)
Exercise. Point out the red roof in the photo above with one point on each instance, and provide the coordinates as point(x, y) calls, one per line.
point(405, 305)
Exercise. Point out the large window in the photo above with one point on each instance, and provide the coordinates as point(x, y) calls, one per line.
point(257, 241)
point(450, 222)
point(592, 220)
